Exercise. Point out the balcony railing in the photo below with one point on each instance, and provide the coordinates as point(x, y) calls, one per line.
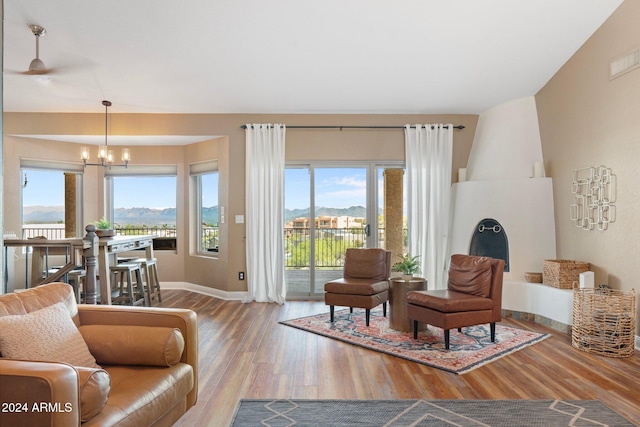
point(51, 233)
point(210, 238)
point(160, 231)
point(210, 235)
point(330, 245)
point(58, 232)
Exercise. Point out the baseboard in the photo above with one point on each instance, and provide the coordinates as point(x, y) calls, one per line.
point(536, 318)
point(205, 290)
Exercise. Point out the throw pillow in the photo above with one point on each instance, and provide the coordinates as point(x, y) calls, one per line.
point(46, 335)
point(94, 385)
point(134, 345)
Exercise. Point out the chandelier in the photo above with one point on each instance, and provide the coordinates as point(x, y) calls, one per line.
point(105, 155)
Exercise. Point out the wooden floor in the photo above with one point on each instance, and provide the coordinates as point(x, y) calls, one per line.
point(246, 353)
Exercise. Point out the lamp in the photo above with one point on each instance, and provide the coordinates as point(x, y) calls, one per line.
point(105, 155)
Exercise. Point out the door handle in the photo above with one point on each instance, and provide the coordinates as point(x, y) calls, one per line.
point(367, 229)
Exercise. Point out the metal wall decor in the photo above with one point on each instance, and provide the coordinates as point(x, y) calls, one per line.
point(594, 194)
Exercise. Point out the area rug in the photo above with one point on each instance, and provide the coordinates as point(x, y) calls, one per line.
point(468, 350)
point(396, 413)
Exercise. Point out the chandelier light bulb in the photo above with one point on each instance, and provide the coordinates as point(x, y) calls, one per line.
point(102, 152)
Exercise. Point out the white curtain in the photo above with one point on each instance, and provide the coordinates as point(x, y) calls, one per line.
point(428, 151)
point(265, 213)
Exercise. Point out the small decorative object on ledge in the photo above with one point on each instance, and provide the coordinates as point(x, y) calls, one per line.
point(594, 192)
point(604, 321)
point(103, 228)
point(533, 277)
point(561, 273)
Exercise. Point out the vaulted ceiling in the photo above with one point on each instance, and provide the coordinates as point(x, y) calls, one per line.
point(289, 56)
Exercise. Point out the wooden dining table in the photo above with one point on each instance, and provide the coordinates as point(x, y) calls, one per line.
point(108, 248)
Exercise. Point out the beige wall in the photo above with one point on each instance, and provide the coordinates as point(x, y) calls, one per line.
point(588, 120)
point(230, 151)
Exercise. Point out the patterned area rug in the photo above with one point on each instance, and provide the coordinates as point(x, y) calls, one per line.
point(468, 350)
point(396, 413)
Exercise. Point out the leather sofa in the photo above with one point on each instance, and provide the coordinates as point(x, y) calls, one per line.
point(147, 365)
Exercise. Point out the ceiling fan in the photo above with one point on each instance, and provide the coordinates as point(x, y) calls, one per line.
point(37, 67)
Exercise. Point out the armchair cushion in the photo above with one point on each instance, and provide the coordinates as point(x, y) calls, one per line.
point(449, 301)
point(371, 264)
point(134, 345)
point(47, 335)
point(470, 275)
point(95, 385)
point(356, 286)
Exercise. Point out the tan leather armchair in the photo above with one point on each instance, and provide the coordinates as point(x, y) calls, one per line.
point(473, 296)
point(141, 391)
point(365, 282)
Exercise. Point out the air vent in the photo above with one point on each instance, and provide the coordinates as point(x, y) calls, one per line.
point(624, 64)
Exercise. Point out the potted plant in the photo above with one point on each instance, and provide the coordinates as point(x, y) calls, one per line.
point(408, 266)
point(104, 228)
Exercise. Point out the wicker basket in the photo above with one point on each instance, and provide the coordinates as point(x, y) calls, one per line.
point(561, 273)
point(533, 277)
point(604, 321)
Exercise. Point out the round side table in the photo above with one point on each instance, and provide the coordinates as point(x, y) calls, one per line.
point(398, 319)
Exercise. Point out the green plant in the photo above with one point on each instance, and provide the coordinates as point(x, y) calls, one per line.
point(408, 264)
point(103, 224)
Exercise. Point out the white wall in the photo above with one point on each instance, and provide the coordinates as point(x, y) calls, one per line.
point(507, 142)
point(523, 206)
point(500, 186)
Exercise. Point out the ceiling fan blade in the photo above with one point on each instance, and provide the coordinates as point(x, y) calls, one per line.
point(36, 72)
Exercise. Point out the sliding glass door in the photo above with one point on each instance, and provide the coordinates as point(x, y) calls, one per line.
point(328, 209)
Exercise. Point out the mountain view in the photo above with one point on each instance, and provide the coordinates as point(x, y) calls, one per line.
point(123, 217)
point(43, 214)
point(353, 211)
point(148, 216)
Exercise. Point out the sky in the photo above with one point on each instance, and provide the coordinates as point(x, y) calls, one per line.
point(46, 188)
point(157, 192)
point(334, 187)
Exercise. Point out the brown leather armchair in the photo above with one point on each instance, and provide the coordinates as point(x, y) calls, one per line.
point(365, 282)
point(473, 296)
point(148, 358)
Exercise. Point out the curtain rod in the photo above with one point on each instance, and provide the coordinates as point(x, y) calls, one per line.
point(354, 127)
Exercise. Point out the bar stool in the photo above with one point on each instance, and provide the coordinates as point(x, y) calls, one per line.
point(126, 271)
point(150, 268)
point(76, 279)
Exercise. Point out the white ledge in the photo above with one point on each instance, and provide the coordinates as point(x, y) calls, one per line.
point(536, 298)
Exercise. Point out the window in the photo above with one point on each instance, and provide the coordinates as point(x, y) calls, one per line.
point(142, 200)
point(204, 178)
point(44, 202)
point(331, 206)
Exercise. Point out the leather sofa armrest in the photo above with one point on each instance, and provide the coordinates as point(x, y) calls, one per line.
point(38, 393)
point(185, 320)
